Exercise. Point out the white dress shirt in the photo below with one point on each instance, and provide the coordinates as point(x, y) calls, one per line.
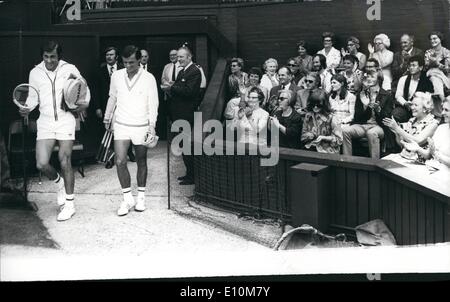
point(167, 74)
point(401, 86)
point(111, 66)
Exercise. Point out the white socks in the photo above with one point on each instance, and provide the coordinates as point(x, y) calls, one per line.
point(127, 196)
point(69, 200)
point(141, 192)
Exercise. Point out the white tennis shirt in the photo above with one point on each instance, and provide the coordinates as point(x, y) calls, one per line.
point(136, 100)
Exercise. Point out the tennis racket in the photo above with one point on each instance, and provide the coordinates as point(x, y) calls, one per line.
point(23, 93)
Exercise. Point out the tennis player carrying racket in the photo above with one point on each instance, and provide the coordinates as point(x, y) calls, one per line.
point(134, 94)
point(54, 124)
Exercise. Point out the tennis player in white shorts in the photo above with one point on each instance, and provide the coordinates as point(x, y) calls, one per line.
point(54, 123)
point(133, 97)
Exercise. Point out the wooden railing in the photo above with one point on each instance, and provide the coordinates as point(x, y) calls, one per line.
point(415, 208)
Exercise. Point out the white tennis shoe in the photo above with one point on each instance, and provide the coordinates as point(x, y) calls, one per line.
point(67, 211)
point(125, 206)
point(140, 204)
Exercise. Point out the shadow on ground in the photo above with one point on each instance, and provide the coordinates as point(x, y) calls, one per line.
point(20, 225)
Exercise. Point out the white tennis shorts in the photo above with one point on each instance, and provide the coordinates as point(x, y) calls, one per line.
point(135, 134)
point(62, 129)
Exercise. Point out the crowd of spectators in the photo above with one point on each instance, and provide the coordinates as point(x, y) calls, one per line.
point(389, 103)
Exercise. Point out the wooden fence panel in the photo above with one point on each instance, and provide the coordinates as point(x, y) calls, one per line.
point(351, 198)
point(413, 218)
point(405, 216)
point(421, 216)
point(364, 191)
point(340, 196)
point(374, 196)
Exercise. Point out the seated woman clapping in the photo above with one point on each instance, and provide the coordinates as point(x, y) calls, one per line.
point(418, 129)
point(321, 132)
point(438, 152)
point(254, 80)
point(251, 121)
point(437, 64)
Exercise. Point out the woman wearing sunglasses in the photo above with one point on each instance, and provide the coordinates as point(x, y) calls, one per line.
point(287, 121)
point(321, 132)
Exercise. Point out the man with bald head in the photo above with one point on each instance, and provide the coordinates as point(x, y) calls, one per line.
point(285, 77)
point(183, 101)
point(401, 58)
point(170, 72)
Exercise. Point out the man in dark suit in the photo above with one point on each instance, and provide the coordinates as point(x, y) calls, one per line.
point(285, 77)
point(106, 70)
point(144, 60)
point(400, 64)
point(183, 101)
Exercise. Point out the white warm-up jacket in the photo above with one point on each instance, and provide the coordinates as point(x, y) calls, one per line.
point(50, 87)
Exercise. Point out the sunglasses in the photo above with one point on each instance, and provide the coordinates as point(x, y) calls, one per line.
point(283, 98)
point(318, 105)
point(309, 81)
point(292, 65)
point(327, 40)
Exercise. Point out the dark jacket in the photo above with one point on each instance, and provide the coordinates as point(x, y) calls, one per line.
point(104, 80)
point(362, 115)
point(424, 85)
point(293, 124)
point(184, 94)
point(399, 66)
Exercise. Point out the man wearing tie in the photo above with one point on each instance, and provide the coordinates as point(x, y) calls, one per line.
point(144, 60)
point(170, 72)
point(111, 56)
point(183, 101)
point(285, 76)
